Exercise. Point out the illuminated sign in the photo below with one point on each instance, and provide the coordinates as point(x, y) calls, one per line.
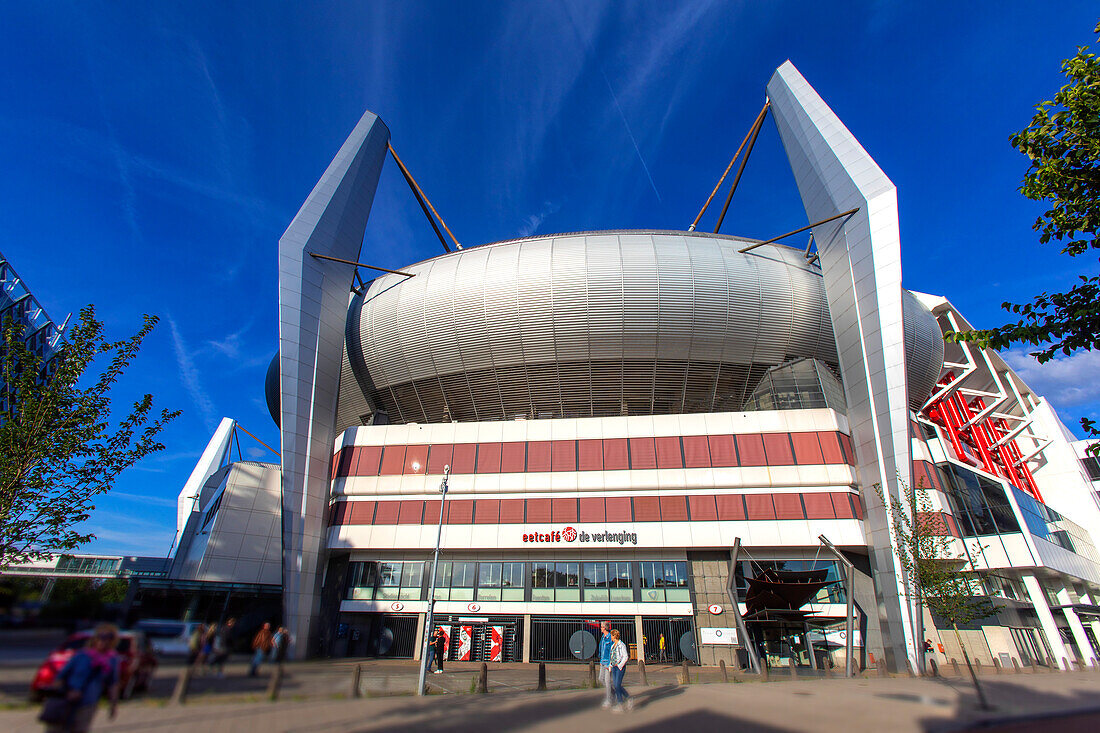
point(571, 534)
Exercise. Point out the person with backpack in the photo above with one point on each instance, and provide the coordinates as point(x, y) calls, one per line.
point(90, 673)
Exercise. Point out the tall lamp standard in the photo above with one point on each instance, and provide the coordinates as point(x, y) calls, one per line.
point(431, 585)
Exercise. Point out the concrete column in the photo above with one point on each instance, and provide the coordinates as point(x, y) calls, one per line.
point(640, 637)
point(421, 619)
point(1046, 619)
point(1088, 656)
point(526, 638)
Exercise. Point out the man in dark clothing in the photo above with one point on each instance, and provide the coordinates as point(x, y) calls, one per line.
point(439, 644)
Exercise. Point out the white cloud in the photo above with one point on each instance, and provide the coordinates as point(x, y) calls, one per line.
point(1065, 380)
point(532, 223)
point(190, 376)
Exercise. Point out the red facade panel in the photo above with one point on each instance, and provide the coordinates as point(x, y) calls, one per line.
point(807, 449)
point(360, 512)
point(830, 447)
point(465, 455)
point(341, 462)
point(460, 511)
point(696, 451)
point(777, 446)
point(338, 514)
point(842, 506)
point(563, 510)
point(416, 459)
point(819, 506)
point(411, 512)
point(616, 456)
point(431, 511)
point(723, 450)
point(487, 511)
point(674, 509)
point(590, 455)
point(563, 455)
point(618, 509)
point(488, 457)
point(788, 506)
point(393, 460)
point(643, 454)
point(647, 509)
point(511, 511)
point(702, 508)
point(513, 458)
point(387, 512)
point(538, 510)
point(750, 450)
point(846, 446)
point(857, 505)
point(759, 506)
point(368, 461)
point(440, 456)
point(731, 507)
point(538, 457)
point(592, 509)
point(669, 454)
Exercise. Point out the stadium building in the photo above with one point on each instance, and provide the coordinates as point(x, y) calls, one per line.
point(639, 426)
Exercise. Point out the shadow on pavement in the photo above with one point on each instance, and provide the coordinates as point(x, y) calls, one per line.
point(705, 720)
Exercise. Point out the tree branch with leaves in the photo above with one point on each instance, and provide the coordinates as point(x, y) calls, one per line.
point(58, 447)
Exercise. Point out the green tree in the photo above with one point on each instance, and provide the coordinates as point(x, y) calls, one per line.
point(938, 575)
point(1063, 144)
point(58, 448)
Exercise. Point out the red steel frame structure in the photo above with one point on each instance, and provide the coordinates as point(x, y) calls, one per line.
point(981, 442)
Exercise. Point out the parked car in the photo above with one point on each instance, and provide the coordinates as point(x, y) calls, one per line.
point(169, 638)
point(137, 663)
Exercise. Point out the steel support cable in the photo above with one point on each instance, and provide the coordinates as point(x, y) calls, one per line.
point(753, 134)
point(841, 215)
point(265, 445)
point(422, 199)
point(361, 264)
point(728, 169)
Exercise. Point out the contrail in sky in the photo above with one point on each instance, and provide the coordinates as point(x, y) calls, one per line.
point(629, 132)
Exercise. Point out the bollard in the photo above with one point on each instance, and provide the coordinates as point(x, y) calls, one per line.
point(1016, 666)
point(483, 679)
point(1065, 665)
point(593, 680)
point(542, 676)
point(794, 669)
point(275, 683)
point(722, 667)
point(935, 667)
point(977, 666)
point(996, 666)
point(882, 671)
point(355, 677)
point(179, 694)
point(684, 678)
point(1034, 666)
point(764, 672)
point(641, 672)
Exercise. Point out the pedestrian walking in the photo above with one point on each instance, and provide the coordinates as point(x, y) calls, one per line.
point(194, 644)
point(90, 673)
point(262, 644)
point(440, 645)
point(606, 642)
point(661, 649)
point(279, 644)
point(222, 644)
point(206, 650)
point(619, 657)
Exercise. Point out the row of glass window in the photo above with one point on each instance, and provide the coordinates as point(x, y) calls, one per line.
point(550, 581)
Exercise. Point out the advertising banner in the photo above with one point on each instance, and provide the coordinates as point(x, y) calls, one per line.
point(465, 637)
point(496, 647)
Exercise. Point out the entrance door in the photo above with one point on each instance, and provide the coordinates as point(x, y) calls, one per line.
point(483, 640)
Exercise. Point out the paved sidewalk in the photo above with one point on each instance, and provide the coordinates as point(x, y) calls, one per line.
point(890, 704)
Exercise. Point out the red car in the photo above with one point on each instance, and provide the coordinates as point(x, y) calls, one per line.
point(137, 663)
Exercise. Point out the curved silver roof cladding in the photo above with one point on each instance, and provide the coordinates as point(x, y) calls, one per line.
point(591, 324)
point(923, 349)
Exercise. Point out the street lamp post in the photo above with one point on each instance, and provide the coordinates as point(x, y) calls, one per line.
point(431, 585)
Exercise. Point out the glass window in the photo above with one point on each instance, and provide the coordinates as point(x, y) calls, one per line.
point(511, 581)
point(595, 582)
point(676, 582)
point(488, 581)
point(652, 581)
point(542, 581)
point(568, 582)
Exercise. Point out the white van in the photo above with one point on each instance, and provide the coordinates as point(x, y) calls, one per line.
point(169, 638)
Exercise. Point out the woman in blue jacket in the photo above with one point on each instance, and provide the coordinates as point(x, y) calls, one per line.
point(90, 674)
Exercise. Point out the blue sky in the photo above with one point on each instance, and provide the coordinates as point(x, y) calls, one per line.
point(154, 152)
